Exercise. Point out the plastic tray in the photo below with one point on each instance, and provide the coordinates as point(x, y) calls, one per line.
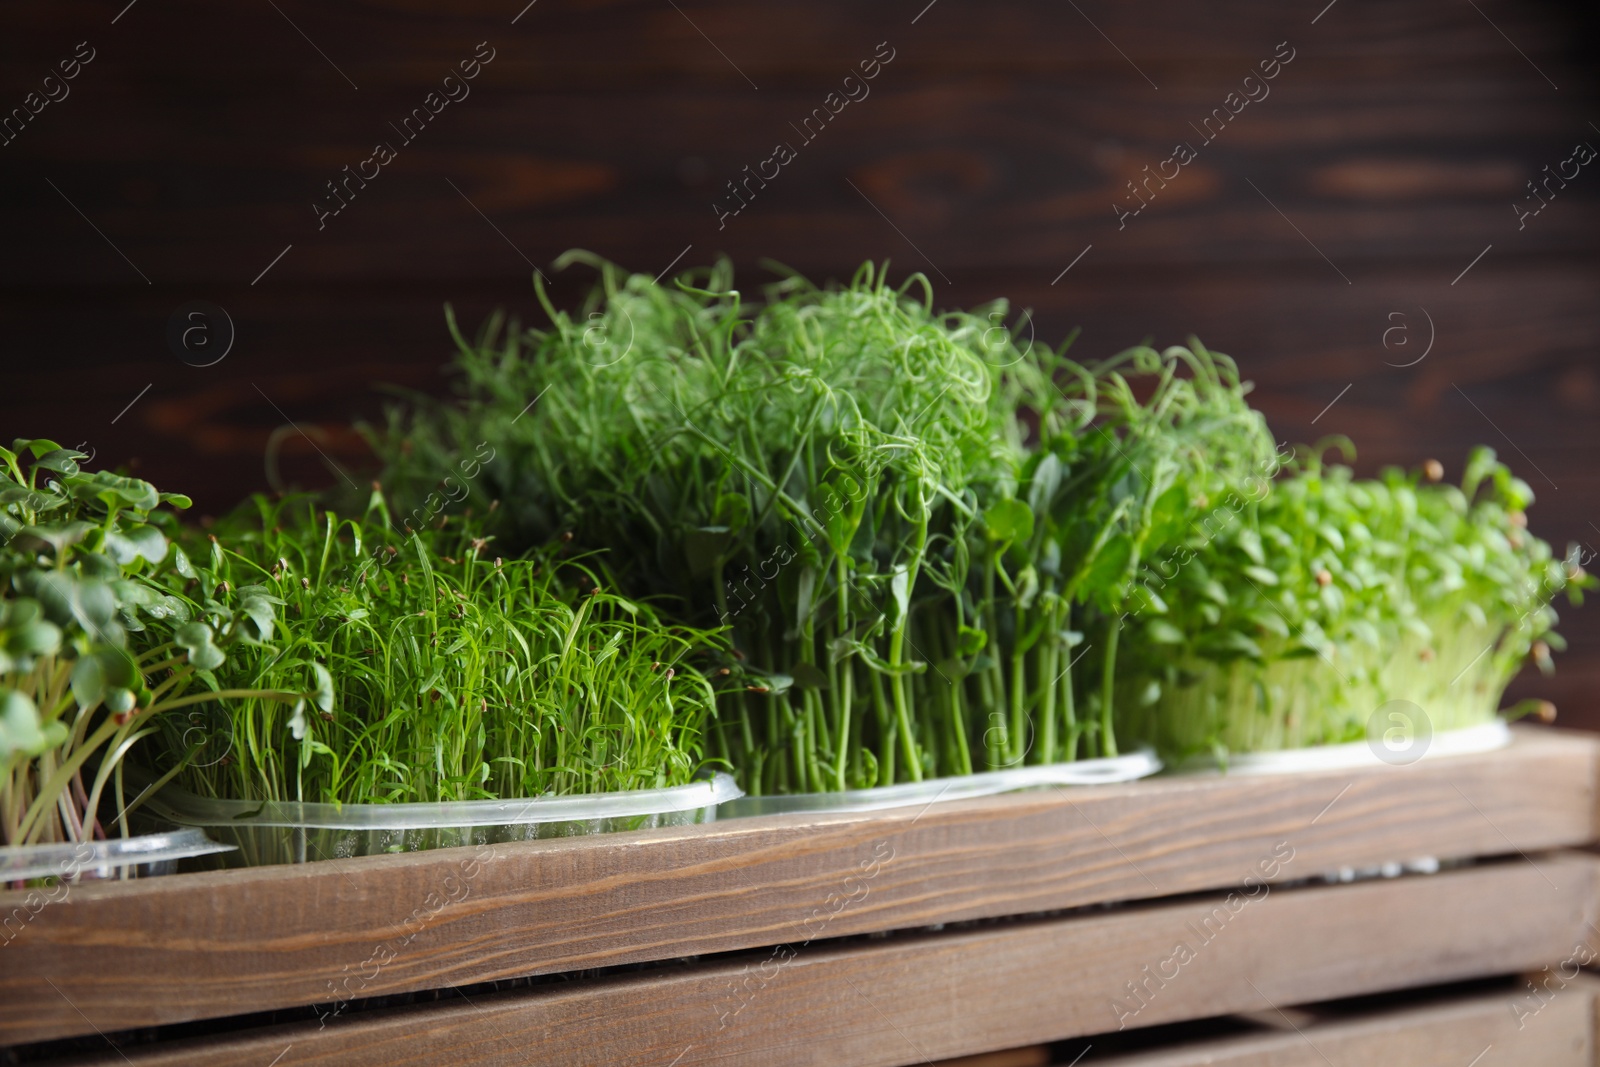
point(1485, 737)
point(1139, 764)
point(120, 857)
point(294, 832)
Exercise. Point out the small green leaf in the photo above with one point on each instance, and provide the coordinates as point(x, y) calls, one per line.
point(1028, 587)
point(971, 641)
point(845, 500)
point(89, 682)
point(198, 640)
point(115, 490)
point(1271, 622)
point(900, 589)
point(259, 610)
point(21, 732)
point(1234, 641)
point(297, 721)
point(1142, 598)
point(138, 542)
point(56, 536)
point(1162, 632)
point(1480, 465)
point(1008, 521)
point(1046, 480)
point(809, 676)
point(24, 631)
point(60, 460)
point(31, 499)
point(775, 683)
point(322, 694)
point(1250, 544)
point(1260, 575)
point(39, 446)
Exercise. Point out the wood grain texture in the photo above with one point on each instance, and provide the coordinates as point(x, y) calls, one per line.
point(910, 999)
point(1477, 1030)
point(206, 945)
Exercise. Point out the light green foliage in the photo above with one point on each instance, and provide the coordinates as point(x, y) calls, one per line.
point(843, 477)
point(830, 539)
point(941, 548)
point(1295, 615)
point(1131, 452)
point(431, 669)
point(788, 475)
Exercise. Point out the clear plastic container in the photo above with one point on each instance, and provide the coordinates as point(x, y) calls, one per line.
point(1139, 764)
point(1484, 737)
point(120, 857)
point(294, 832)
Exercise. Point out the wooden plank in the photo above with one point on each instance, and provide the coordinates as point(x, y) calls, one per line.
point(1032, 1056)
point(913, 998)
point(1017, 180)
point(606, 130)
point(393, 45)
point(206, 945)
point(1480, 1030)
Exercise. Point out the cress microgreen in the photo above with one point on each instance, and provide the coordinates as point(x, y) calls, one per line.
point(1308, 609)
point(84, 671)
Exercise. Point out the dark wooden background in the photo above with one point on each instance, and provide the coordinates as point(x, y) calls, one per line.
point(989, 153)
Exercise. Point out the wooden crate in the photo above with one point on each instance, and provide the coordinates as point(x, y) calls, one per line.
point(1453, 1027)
point(904, 936)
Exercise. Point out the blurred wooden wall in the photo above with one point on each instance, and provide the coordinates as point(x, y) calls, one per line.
point(1364, 204)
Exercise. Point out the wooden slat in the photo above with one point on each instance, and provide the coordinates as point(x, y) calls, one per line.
point(205, 945)
point(393, 48)
point(1336, 159)
point(616, 130)
point(1482, 1031)
point(910, 999)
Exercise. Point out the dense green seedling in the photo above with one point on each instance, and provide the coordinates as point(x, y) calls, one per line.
point(435, 669)
point(838, 476)
point(786, 475)
point(1299, 614)
point(1132, 453)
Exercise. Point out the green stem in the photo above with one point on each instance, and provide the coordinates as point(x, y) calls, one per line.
point(880, 705)
point(1049, 651)
point(1108, 740)
point(1016, 743)
point(842, 678)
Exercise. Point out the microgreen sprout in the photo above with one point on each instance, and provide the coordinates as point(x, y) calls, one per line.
point(83, 676)
point(1333, 595)
point(434, 670)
